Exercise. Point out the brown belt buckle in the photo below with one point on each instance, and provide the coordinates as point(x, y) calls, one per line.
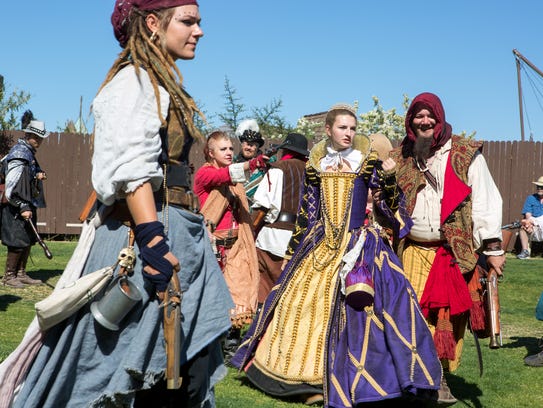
point(185, 199)
point(226, 242)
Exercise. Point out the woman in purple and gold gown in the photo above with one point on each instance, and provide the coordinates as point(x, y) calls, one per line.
point(343, 324)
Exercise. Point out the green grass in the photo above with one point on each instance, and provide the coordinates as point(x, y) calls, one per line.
point(506, 382)
point(17, 305)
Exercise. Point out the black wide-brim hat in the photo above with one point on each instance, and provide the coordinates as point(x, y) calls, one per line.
point(250, 136)
point(296, 142)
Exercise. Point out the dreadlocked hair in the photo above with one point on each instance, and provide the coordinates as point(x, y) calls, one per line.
point(142, 51)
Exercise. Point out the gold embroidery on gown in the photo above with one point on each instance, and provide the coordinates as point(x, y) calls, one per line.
point(293, 346)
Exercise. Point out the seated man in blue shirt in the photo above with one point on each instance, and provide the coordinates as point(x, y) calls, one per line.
point(532, 209)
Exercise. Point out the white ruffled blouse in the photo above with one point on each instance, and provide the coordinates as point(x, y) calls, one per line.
point(334, 159)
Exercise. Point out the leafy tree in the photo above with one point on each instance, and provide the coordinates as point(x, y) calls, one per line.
point(311, 129)
point(270, 121)
point(10, 105)
point(389, 123)
point(233, 107)
point(272, 124)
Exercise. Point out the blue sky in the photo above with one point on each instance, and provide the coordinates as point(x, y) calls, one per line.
point(310, 54)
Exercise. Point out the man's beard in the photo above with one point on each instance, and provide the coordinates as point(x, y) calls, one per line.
point(421, 148)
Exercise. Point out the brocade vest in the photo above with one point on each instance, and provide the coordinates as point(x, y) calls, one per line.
point(456, 209)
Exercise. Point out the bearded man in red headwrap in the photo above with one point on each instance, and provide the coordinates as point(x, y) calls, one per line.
point(456, 210)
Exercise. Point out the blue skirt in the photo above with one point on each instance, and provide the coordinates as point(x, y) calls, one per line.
point(82, 364)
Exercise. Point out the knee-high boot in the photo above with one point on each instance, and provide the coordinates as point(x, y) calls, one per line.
point(10, 275)
point(21, 269)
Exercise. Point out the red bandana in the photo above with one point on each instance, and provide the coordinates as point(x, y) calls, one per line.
point(442, 130)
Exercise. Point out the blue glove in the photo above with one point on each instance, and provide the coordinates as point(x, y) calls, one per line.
point(154, 256)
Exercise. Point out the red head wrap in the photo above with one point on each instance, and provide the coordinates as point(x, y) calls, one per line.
point(442, 130)
point(121, 12)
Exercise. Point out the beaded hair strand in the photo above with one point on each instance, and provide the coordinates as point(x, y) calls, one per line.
point(141, 51)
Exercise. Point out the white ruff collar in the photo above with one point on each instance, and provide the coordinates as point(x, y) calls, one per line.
point(334, 158)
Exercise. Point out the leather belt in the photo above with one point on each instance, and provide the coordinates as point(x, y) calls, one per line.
point(286, 217)
point(226, 242)
point(176, 197)
point(179, 197)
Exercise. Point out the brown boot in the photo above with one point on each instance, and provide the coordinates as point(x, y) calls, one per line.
point(24, 278)
point(10, 276)
point(21, 269)
point(10, 279)
point(445, 397)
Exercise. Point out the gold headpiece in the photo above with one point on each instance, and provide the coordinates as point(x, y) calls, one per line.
point(345, 106)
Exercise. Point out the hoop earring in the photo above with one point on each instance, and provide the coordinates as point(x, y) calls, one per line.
point(153, 36)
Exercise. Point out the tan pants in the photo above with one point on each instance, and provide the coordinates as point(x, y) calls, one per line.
point(417, 262)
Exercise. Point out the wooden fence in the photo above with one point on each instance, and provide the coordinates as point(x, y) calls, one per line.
point(67, 160)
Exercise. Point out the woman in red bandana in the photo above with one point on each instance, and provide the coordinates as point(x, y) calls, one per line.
point(456, 210)
point(143, 132)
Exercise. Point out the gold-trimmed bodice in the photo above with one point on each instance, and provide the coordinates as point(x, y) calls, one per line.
point(292, 349)
point(336, 199)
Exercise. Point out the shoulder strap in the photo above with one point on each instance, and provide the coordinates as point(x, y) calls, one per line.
point(214, 207)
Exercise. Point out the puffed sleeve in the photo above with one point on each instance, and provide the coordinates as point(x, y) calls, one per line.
point(487, 202)
point(127, 142)
point(269, 194)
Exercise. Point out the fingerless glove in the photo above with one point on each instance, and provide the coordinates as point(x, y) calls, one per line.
point(154, 256)
point(257, 163)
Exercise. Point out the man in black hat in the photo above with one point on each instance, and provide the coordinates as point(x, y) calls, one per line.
point(24, 194)
point(275, 208)
point(248, 133)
